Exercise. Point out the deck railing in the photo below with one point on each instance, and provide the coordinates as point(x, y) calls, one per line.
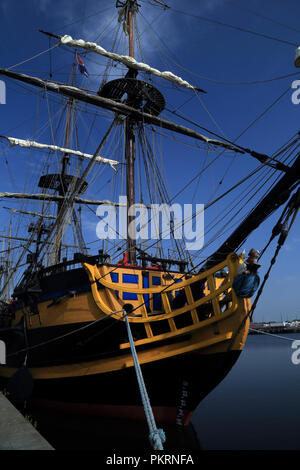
point(218, 302)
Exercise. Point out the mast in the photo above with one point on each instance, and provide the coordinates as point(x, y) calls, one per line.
point(6, 267)
point(62, 189)
point(129, 124)
point(132, 6)
point(2, 258)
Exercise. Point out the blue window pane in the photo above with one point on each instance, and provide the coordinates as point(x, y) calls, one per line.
point(146, 296)
point(114, 277)
point(176, 282)
point(131, 278)
point(129, 296)
point(156, 281)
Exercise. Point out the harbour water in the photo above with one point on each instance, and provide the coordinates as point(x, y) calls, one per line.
point(257, 406)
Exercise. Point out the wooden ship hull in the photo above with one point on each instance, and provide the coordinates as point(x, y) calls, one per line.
point(77, 347)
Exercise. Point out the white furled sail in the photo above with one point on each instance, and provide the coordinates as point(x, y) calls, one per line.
point(124, 59)
point(56, 198)
point(31, 143)
point(36, 214)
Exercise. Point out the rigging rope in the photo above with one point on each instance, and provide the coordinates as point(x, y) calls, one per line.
point(203, 77)
point(251, 124)
point(292, 209)
point(57, 338)
point(34, 57)
point(256, 188)
point(295, 200)
point(238, 28)
point(253, 12)
point(240, 135)
point(83, 18)
point(293, 206)
point(271, 334)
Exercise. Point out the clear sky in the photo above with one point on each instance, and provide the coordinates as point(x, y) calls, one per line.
point(234, 67)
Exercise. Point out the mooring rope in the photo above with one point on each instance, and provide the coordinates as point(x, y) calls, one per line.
point(156, 436)
point(272, 334)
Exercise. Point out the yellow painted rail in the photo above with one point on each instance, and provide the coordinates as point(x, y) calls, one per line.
point(221, 301)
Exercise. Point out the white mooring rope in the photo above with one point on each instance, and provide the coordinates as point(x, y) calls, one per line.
point(156, 436)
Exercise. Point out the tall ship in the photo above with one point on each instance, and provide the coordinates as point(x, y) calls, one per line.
point(110, 266)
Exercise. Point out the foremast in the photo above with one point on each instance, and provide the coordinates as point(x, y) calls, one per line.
point(62, 184)
point(62, 189)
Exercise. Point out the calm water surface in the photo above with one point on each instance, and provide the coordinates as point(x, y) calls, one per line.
point(257, 406)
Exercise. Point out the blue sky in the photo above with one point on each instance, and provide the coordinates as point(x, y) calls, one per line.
point(201, 52)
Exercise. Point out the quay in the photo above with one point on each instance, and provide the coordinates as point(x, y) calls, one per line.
point(275, 327)
point(16, 433)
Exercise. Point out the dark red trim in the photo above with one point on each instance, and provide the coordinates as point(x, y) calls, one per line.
point(162, 414)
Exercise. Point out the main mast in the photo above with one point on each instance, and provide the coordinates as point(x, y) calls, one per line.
point(62, 188)
point(129, 123)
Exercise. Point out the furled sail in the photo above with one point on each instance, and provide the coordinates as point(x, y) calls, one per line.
point(55, 198)
point(36, 214)
point(31, 143)
point(126, 60)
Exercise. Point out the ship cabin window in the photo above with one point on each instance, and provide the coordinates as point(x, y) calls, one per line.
point(115, 278)
point(130, 279)
point(176, 282)
point(144, 279)
point(156, 281)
